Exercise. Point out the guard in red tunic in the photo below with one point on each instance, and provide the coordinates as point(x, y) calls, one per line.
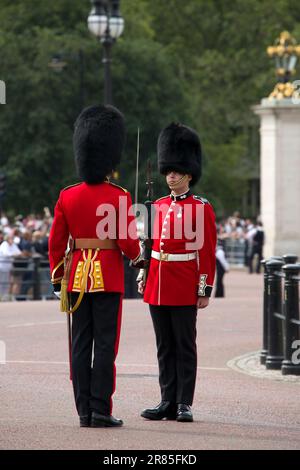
point(181, 272)
point(95, 217)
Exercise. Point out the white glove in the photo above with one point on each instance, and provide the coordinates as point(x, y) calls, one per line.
point(58, 294)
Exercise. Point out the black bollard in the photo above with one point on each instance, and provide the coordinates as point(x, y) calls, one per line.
point(290, 259)
point(291, 363)
point(264, 351)
point(275, 321)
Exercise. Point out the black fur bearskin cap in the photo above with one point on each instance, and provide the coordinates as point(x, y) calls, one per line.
point(179, 149)
point(98, 142)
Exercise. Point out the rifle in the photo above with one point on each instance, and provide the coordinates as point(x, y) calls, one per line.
point(147, 240)
point(148, 223)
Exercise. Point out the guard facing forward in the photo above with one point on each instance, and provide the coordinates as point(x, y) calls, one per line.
point(181, 272)
point(91, 277)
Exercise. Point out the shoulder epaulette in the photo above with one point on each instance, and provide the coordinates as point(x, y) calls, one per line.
point(160, 198)
point(117, 186)
point(202, 199)
point(71, 186)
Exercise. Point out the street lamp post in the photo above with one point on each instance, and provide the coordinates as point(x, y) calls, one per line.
point(106, 23)
point(107, 44)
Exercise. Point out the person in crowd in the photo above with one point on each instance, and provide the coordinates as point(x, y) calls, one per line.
point(222, 266)
point(4, 222)
point(248, 236)
point(257, 247)
point(40, 249)
point(248, 225)
point(8, 251)
point(40, 243)
point(26, 266)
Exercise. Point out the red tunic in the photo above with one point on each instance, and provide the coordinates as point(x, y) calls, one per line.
point(76, 216)
point(181, 282)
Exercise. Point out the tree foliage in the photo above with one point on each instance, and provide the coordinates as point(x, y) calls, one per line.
point(201, 62)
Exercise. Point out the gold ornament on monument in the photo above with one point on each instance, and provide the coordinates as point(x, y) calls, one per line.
point(285, 52)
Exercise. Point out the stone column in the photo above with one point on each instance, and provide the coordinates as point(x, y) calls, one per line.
point(280, 175)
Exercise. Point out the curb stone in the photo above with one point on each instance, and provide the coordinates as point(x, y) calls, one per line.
point(250, 364)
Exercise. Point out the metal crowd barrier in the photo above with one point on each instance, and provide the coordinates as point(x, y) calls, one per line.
point(235, 251)
point(25, 279)
point(29, 279)
point(281, 319)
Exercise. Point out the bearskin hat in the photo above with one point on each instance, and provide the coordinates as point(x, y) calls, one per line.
point(98, 141)
point(179, 149)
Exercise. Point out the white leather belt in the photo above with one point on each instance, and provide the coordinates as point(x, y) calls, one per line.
point(173, 257)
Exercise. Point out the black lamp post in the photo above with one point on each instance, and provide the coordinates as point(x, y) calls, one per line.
point(106, 23)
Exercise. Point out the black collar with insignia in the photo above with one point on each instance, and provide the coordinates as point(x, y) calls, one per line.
point(180, 197)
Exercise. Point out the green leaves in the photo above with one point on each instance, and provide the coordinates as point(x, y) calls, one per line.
point(200, 62)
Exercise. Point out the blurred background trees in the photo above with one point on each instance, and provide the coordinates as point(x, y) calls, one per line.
point(202, 62)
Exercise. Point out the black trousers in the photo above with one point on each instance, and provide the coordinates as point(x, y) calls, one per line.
point(96, 322)
point(219, 284)
point(175, 331)
point(255, 251)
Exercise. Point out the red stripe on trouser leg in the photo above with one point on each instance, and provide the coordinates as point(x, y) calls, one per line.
point(70, 363)
point(69, 324)
point(117, 341)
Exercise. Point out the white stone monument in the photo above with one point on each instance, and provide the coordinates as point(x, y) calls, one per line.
point(280, 175)
point(280, 161)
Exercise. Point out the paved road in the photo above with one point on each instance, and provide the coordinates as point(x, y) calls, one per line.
point(232, 410)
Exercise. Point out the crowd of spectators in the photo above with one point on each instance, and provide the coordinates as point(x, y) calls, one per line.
point(22, 240)
point(247, 233)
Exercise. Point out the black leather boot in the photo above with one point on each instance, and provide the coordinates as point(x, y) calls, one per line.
point(84, 421)
point(165, 409)
point(102, 421)
point(184, 413)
